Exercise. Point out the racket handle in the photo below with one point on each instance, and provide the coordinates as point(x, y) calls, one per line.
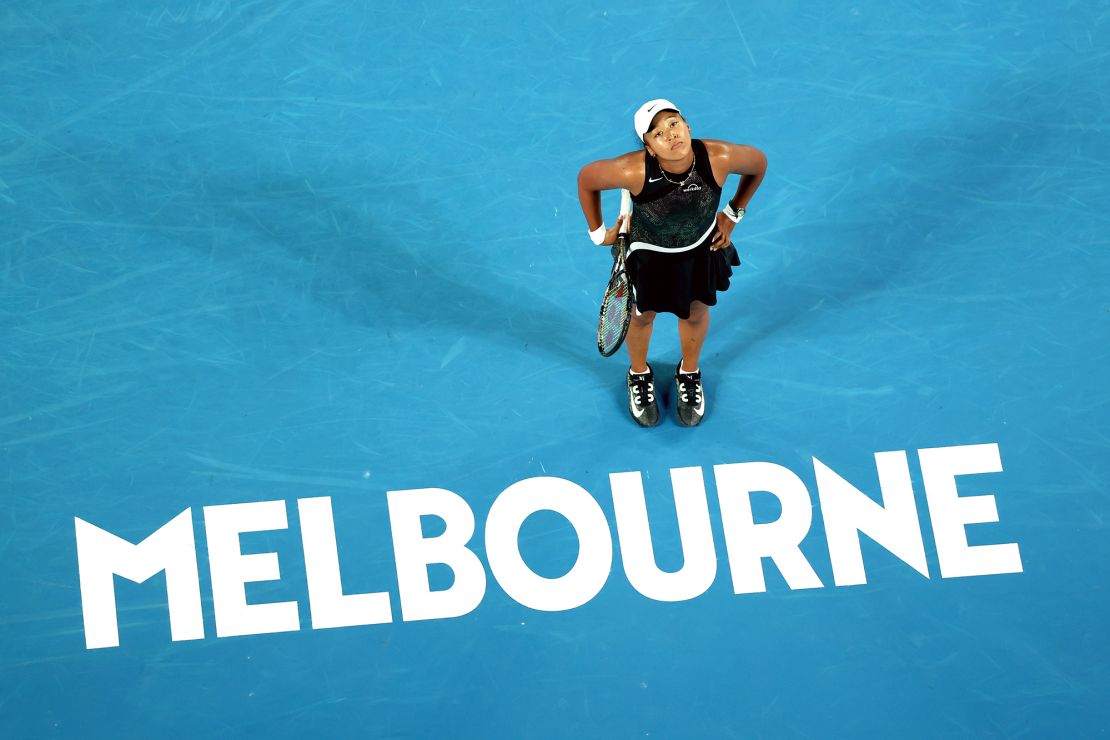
point(626, 209)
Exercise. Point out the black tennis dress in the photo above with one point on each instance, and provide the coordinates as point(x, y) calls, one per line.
point(669, 260)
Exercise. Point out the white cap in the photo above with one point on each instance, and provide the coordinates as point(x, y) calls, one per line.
point(648, 111)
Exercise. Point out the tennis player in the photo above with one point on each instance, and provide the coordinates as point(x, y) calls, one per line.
point(680, 253)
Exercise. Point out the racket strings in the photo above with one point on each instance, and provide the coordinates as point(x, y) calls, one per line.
point(616, 306)
point(615, 315)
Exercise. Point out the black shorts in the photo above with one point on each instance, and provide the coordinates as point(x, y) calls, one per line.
point(670, 281)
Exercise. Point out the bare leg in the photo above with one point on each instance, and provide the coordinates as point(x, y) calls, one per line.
point(638, 339)
point(691, 333)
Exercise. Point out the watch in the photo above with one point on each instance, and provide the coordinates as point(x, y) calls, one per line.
point(734, 214)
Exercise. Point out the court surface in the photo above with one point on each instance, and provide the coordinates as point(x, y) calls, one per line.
point(272, 251)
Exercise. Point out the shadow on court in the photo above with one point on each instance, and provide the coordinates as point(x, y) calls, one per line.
point(924, 198)
point(404, 280)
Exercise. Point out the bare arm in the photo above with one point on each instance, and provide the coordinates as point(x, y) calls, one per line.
point(735, 159)
point(738, 159)
point(625, 171)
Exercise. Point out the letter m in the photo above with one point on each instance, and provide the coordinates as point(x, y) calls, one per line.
point(101, 556)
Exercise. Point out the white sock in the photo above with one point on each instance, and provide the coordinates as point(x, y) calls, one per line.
point(684, 371)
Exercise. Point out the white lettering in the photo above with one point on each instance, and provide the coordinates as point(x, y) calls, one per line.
point(699, 566)
point(414, 553)
point(748, 543)
point(330, 607)
point(595, 544)
point(847, 512)
point(951, 513)
point(232, 570)
point(891, 521)
point(102, 555)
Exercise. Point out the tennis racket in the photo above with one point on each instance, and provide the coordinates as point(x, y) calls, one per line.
point(616, 306)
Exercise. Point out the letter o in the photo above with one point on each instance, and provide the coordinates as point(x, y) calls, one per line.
point(595, 544)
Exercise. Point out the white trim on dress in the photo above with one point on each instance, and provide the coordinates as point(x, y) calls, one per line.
point(656, 248)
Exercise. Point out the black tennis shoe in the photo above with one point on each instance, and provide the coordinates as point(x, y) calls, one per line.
point(690, 403)
point(641, 398)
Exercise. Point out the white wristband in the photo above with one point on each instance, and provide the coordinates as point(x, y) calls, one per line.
point(733, 214)
point(597, 236)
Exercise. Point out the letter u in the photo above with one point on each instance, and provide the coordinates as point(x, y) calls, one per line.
point(699, 567)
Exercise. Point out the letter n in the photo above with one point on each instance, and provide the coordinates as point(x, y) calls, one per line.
point(848, 512)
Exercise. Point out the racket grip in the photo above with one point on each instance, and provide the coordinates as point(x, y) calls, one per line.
point(626, 209)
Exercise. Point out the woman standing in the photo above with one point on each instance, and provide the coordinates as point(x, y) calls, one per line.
point(680, 253)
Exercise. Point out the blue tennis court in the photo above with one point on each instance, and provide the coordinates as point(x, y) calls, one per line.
point(303, 431)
